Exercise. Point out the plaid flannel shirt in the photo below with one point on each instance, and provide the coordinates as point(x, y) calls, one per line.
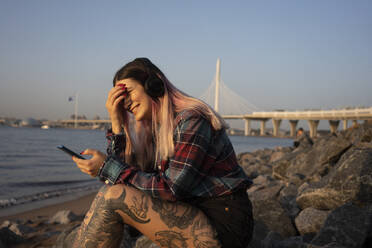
point(203, 165)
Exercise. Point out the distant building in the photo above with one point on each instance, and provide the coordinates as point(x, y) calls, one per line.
point(30, 122)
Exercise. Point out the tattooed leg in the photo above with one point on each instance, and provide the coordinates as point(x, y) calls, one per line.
point(101, 226)
point(169, 224)
point(175, 214)
point(172, 224)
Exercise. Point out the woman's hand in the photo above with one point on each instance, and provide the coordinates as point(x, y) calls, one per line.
point(116, 96)
point(90, 166)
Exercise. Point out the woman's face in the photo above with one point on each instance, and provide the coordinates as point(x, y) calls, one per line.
point(137, 101)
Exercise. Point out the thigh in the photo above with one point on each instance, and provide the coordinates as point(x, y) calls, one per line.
point(101, 226)
point(169, 224)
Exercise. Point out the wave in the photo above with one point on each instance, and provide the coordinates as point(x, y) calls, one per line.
point(49, 183)
point(14, 201)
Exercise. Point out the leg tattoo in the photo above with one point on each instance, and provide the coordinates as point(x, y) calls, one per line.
point(103, 225)
point(203, 234)
point(173, 214)
point(170, 239)
point(140, 207)
point(118, 204)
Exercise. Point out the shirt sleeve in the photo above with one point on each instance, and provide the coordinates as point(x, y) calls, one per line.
point(115, 143)
point(183, 170)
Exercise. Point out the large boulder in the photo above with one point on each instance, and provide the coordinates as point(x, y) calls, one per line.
point(273, 216)
point(8, 238)
point(350, 180)
point(312, 163)
point(17, 227)
point(347, 225)
point(287, 198)
point(266, 193)
point(310, 220)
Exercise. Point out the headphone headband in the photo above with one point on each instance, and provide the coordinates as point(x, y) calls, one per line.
point(153, 85)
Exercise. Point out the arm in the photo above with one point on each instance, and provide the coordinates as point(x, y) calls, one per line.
point(183, 171)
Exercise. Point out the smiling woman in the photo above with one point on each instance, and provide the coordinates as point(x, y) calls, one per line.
point(170, 169)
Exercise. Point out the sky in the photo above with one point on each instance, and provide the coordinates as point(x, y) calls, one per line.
point(286, 54)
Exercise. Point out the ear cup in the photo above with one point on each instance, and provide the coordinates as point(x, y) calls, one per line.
point(154, 87)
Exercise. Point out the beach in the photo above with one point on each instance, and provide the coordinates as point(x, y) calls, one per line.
point(42, 233)
point(79, 206)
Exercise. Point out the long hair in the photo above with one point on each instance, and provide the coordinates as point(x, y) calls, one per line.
point(152, 140)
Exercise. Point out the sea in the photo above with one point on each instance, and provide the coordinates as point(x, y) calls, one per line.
point(34, 173)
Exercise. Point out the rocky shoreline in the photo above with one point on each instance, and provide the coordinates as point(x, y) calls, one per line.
point(316, 196)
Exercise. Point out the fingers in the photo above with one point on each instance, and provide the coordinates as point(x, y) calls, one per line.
point(117, 101)
point(114, 94)
point(116, 91)
point(86, 166)
point(90, 166)
point(89, 152)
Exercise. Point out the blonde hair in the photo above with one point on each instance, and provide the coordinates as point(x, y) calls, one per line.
point(152, 141)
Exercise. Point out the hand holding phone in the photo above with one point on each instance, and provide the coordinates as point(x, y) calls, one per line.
point(68, 151)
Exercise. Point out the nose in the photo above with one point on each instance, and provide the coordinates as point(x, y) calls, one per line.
point(127, 103)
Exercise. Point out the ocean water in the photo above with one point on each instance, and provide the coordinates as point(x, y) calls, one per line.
point(34, 173)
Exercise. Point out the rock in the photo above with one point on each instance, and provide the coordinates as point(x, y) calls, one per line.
point(130, 238)
point(247, 159)
point(269, 192)
point(353, 176)
point(144, 242)
point(287, 198)
point(276, 156)
point(63, 217)
point(254, 188)
point(262, 180)
point(6, 223)
point(347, 225)
point(280, 166)
point(260, 231)
point(273, 216)
point(257, 169)
point(8, 238)
point(307, 164)
point(363, 133)
point(288, 193)
point(271, 239)
point(296, 179)
point(350, 180)
point(323, 198)
point(67, 237)
point(310, 220)
point(17, 228)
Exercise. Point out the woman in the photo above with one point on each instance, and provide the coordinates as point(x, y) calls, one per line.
point(170, 169)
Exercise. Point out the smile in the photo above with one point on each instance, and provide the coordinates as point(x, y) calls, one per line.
point(131, 110)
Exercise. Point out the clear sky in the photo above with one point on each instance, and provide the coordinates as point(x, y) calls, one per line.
point(277, 54)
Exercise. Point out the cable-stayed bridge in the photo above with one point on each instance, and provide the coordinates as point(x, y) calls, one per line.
point(232, 106)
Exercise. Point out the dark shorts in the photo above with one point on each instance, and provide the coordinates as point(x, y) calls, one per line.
point(231, 216)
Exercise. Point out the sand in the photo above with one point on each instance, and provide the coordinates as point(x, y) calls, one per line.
point(79, 206)
point(44, 234)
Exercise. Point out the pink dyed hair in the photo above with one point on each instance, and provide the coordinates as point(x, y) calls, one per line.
point(139, 145)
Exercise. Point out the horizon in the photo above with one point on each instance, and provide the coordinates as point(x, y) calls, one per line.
point(289, 55)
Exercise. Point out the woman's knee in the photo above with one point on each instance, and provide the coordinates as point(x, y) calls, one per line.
point(130, 203)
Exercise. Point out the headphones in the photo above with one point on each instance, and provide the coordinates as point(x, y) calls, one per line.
point(153, 85)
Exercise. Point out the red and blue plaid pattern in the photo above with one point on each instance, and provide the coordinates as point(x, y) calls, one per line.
point(203, 165)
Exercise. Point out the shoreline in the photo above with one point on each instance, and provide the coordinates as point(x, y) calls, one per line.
point(78, 206)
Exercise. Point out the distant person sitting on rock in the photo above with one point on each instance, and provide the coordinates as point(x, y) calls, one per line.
point(170, 169)
point(302, 138)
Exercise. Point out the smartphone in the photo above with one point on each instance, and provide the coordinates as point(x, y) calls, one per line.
point(68, 151)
